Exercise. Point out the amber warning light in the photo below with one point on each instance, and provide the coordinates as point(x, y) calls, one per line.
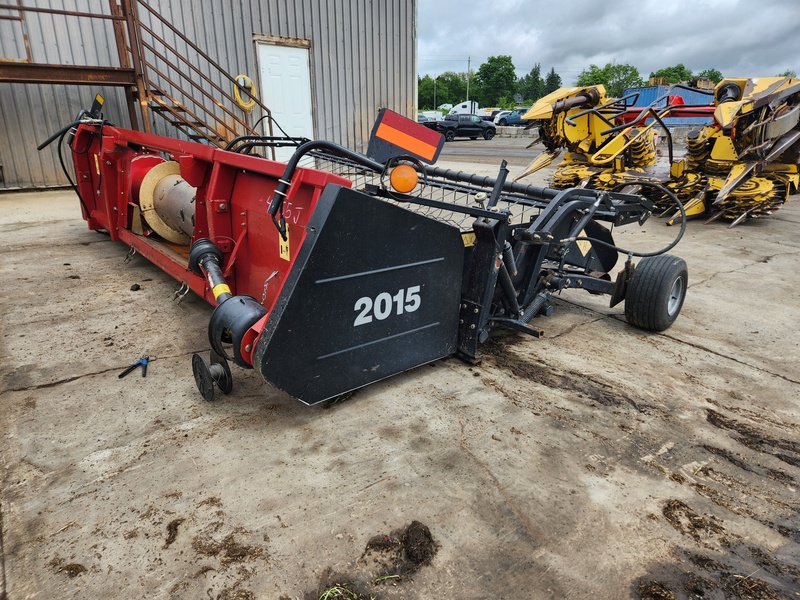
point(393, 136)
point(403, 178)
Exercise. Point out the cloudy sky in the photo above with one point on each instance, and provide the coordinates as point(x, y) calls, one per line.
point(740, 38)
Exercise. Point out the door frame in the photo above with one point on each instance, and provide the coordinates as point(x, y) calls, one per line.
point(276, 40)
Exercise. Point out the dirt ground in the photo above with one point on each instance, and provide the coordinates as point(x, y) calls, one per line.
point(599, 461)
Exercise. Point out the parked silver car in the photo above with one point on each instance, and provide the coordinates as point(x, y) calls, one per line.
point(499, 116)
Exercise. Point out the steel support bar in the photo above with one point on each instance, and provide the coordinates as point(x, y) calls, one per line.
point(55, 11)
point(14, 72)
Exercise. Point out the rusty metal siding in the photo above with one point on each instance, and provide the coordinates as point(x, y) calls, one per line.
point(29, 114)
point(363, 58)
point(363, 55)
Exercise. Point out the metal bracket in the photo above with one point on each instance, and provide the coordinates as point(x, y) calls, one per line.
point(180, 293)
point(129, 256)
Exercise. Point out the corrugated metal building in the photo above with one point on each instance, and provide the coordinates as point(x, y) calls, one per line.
point(649, 94)
point(361, 57)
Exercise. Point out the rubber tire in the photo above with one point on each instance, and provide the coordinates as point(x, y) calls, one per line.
point(450, 135)
point(488, 134)
point(502, 122)
point(656, 292)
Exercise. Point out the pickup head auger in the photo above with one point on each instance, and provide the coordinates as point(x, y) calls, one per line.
point(337, 269)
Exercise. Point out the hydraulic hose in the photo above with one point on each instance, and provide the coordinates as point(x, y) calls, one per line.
point(57, 134)
point(286, 179)
point(669, 247)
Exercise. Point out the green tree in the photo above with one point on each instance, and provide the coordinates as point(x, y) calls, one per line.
point(788, 73)
point(616, 78)
point(552, 82)
point(495, 78)
point(531, 86)
point(675, 74)
point(623, 76)
point(451, 88)
point(447, 88)
point(593, 76)
point(712, 74)
point(425, 93)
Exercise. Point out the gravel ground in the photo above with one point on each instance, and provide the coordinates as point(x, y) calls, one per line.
point(599, 461)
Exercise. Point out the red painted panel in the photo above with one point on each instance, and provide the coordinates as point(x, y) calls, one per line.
point(233, 195)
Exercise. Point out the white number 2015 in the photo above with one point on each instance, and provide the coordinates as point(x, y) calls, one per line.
point(384, 304)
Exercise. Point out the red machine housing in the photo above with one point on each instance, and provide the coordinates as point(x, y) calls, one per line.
point(321, 288)
point(233, 193)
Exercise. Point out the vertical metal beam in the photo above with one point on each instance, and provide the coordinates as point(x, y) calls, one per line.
point(142, 86)
point(124, 62)
point(24, 27)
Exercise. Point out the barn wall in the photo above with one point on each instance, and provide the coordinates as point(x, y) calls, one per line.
point(363, 57)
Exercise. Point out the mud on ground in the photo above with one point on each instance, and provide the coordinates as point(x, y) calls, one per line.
point(597, 462)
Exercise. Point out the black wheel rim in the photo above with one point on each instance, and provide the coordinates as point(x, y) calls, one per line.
point(202, 377)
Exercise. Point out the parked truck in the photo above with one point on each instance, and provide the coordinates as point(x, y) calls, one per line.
point(464, 108)
point(470, 107)
point(471, 126)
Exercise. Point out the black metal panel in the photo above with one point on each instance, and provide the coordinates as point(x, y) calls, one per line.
point(585, 254)
point(475, 309)
point(373, 292)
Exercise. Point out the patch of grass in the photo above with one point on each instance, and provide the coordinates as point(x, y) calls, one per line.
point(341, 591)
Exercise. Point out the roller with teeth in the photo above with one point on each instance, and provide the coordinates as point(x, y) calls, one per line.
point(742, 165)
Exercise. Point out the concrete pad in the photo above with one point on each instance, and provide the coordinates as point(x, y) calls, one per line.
point(599, 461)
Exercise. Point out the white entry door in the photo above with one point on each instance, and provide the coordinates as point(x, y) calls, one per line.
point(286, 90)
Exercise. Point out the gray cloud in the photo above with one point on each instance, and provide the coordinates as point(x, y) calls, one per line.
point(740, 38)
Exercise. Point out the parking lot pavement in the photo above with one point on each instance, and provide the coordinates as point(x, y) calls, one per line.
point(599, 461)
